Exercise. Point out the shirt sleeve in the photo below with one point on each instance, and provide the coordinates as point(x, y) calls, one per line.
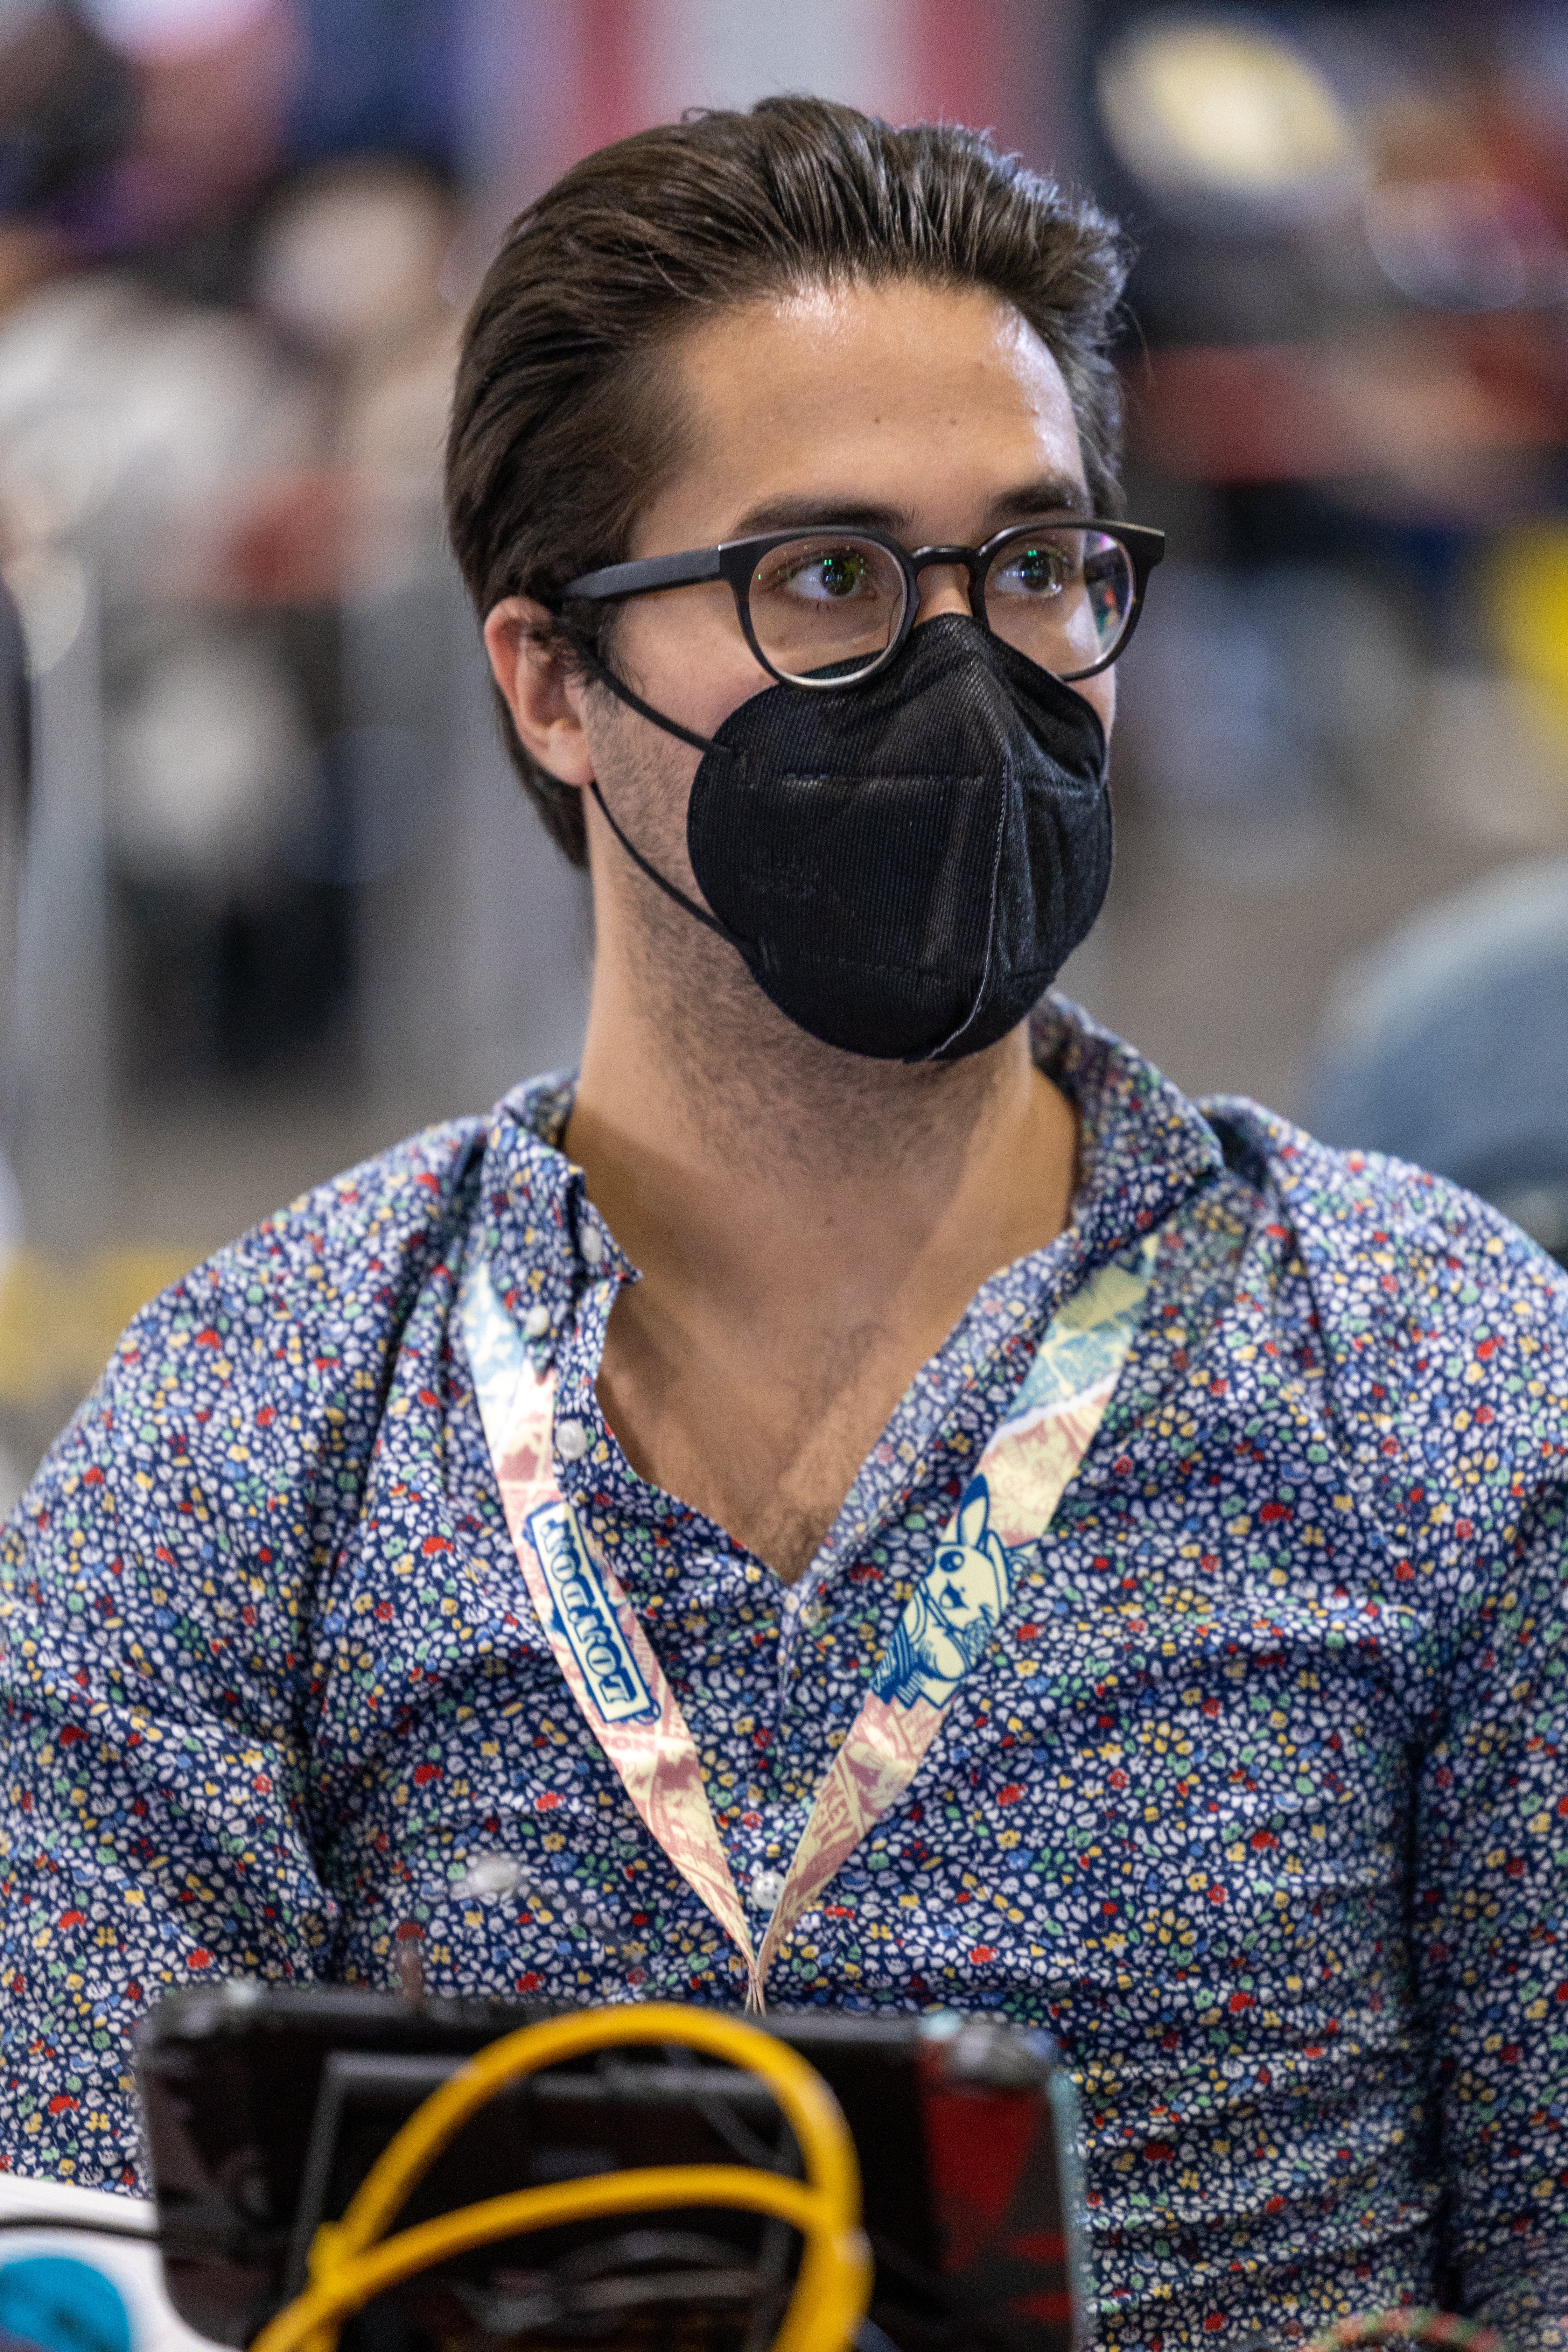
point(154, 1599)
point(1490, 1936)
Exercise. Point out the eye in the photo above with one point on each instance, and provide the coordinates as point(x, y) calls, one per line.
point(832, 575)
point(1035, 570)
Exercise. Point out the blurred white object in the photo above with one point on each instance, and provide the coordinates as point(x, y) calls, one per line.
point(12, 1475)
point(133, 2272)
point(1466, 244)
point(62, 1048)
point(211, 765)
point(49, 586)
point(1224, 112)
point(132, 433)
point(352, 266)
point(161, 28)
point(355, 256)
point(130, 427)
point(15, 794)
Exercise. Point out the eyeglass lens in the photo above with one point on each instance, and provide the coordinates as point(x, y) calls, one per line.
point(1061, 595)
point(817, 603)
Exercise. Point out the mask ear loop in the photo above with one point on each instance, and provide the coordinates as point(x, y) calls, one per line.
point(703, 743)
point(699, 914)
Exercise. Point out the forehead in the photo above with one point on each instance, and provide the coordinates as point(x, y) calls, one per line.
point(930, 400)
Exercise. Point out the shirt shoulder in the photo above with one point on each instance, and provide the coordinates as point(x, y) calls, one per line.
point(271, 1359)
point(1423, 1298)
point(345, 1255)
point(1350, 1204)
point(375, 1214)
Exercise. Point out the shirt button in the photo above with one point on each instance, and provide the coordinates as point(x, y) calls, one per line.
point(572, 1438)
point(766, 1888)
point(591, 1242)
point(812, 1615)
point(536, 1323)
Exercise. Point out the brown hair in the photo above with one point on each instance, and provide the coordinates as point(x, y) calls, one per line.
point(563, 428)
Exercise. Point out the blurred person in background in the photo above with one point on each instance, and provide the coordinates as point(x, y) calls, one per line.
point(224, 366)
point(139, 427)
point(348, 268)
point(862, 1492)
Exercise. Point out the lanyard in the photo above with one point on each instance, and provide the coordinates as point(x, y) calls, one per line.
point(947, 1625)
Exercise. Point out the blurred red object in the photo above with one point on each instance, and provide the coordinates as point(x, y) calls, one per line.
point(290, 542)
point(1396, 398)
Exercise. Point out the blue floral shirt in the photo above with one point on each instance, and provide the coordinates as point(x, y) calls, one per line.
point(1259, 1801)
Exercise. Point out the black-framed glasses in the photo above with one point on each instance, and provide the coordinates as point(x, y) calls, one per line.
point(1066, 594)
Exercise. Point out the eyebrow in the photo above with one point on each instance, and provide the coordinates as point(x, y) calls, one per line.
point(1027, 502)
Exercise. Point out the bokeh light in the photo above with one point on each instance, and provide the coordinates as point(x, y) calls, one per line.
point(1226, 113)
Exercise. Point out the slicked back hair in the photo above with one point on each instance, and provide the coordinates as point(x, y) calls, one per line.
point(564, 423)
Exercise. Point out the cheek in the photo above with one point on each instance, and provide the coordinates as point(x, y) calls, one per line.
point(650, 771)
point(687, 654)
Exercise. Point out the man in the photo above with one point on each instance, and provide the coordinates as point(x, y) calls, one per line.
point(1144, 1525)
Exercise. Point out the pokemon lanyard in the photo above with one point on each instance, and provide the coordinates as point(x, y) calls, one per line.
point(947, 1624)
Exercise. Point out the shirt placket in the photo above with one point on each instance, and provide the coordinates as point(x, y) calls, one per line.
point(837, 1620)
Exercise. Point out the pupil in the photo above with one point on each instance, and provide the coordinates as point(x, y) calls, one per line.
point(838, 575)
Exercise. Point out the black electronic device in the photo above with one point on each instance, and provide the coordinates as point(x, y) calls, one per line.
point(266, 2107)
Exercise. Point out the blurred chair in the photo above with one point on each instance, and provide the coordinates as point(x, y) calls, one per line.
point(16, 791)
point(1447, 1044)
point(15, 794)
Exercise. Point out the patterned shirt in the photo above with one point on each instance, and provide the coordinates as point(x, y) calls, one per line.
point(1257, 1799)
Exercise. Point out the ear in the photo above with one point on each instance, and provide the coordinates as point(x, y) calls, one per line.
point(972, 1516)
point(544, 701)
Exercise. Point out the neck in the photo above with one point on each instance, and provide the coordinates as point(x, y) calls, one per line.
point(809, 1226)
point(753, 1173)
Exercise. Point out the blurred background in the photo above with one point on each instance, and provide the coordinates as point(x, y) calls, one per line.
point(274, 899)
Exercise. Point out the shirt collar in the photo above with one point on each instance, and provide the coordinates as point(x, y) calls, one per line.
point(1143, 1147)
point(545, 1242)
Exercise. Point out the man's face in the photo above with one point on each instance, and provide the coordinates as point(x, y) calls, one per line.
point(932, 414)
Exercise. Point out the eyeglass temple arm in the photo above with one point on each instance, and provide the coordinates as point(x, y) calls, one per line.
point(1144, 544)
point(655, 572)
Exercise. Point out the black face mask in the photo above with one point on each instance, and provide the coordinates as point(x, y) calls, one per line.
point(904, 867)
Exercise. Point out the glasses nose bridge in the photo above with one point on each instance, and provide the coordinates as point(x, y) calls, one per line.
point(958, 559)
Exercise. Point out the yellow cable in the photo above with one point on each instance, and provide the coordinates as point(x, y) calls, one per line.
point(351, 2261)
point(809, 2106)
